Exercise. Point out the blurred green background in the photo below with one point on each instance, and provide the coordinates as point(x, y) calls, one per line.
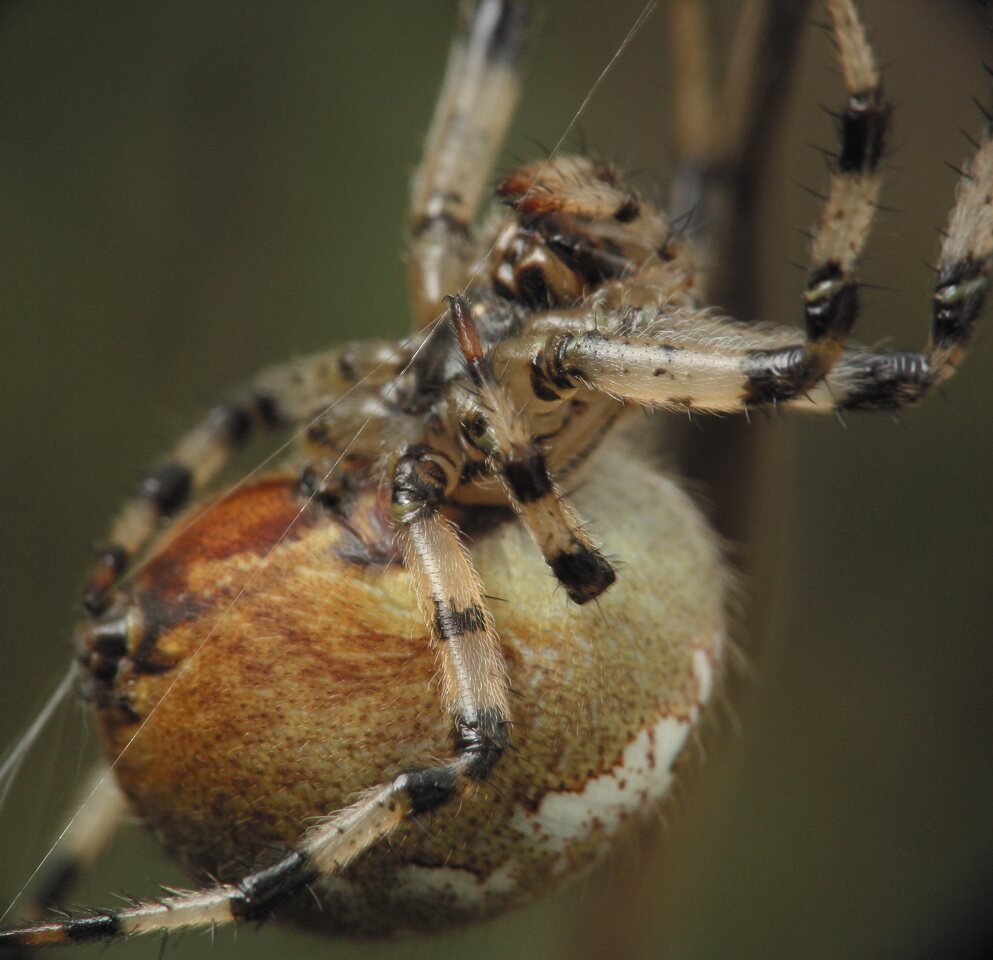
point(191, 191)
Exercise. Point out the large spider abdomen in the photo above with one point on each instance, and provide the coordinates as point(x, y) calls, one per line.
point(277, 665)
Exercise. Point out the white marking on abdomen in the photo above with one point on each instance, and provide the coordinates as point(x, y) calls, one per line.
point(643, 775)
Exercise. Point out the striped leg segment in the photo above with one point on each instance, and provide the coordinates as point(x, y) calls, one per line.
point(831, 294)
point(478, 98)
point(326, 848)
point(694, 363)
point(686, 360)
point(450, 595)
point(643, 366)
point(280, 396)
point(887, 381)
point(101, 808)
point(490, 424)
point(475, 692)
point(964, 262)
point(195, 461)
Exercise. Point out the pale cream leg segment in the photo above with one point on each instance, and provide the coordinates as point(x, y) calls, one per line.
point(98, 813)
point(478, 98)
point(281, 396)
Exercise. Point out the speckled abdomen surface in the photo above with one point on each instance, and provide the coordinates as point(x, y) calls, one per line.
point(275, 684)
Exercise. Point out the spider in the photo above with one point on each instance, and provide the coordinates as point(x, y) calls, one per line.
point(600, 266)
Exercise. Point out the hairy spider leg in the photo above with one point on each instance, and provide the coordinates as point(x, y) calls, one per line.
point(479, 95)
point(490, 423)
point(831, 293)
point(450, 596)
point(281, 396)
point(680, 360)
point(666, 354)
point(475, 692)
point(100, 809)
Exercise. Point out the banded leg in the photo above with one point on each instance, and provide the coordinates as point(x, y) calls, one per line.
point(863, 380)
point(474, 690)
point(478, 98)
point(326, 848)
point(101, 807)
point(831, 294)
point(474, 683)
point(280, 396)
point(686, 361)
point(489, 423)
point(692, 363)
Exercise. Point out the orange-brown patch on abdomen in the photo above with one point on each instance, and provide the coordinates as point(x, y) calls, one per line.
point(251, 519)
point(302, 678)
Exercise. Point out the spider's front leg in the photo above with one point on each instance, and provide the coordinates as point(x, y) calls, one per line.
point(685, 359)
point(489, 423)
point(831, 301)
point(477, 100)
point(831, 294)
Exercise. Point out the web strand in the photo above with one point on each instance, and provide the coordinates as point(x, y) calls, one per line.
point(12, 763)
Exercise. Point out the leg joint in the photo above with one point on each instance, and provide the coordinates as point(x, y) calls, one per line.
point(481, 740)
point(100, 926)
point(550, 377)
point(831, 302)
point(583, 571)
point(774, 376)
point(257, 894)
point(168, 488)
point(428, 788)
point(528, 478)
point(891, 381)
point(864, 126)
point(958, 300)
point(110, 567)
point(420, 482)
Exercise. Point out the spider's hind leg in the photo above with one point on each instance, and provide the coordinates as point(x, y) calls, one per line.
point(326, 848)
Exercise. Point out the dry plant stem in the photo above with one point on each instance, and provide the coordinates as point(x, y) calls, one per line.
point(723, 145)
point(729, 458)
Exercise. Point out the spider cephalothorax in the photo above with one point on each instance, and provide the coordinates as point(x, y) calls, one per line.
point(262, 681)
